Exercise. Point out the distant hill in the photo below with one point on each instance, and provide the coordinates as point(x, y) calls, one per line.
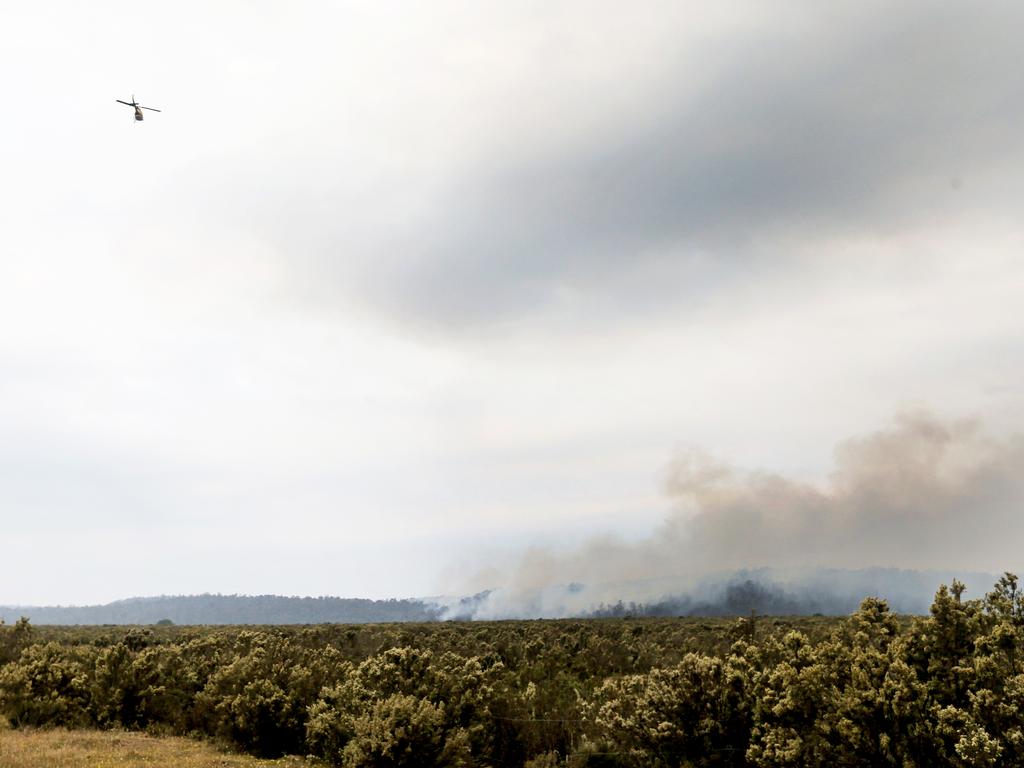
point(229, 609)
point(765, 591)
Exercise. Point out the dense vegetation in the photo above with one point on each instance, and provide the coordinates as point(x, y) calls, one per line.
point(872, 689)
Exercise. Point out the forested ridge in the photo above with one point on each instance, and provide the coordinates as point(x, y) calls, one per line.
point(736, 593)
point(870, 689)
point(228, 609)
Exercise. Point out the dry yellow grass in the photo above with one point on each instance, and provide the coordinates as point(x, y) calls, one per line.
point(120, 749)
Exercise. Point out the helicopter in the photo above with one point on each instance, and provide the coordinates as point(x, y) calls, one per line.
point(138, 107)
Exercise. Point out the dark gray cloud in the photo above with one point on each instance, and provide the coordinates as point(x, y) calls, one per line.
point(831, 121)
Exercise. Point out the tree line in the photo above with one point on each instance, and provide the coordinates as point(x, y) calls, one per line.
point(870, 689)
point(229, 609)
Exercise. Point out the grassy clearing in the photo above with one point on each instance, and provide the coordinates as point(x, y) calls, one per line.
point(58, 748)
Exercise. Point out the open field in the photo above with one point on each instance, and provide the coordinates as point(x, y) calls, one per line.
point(58, 748)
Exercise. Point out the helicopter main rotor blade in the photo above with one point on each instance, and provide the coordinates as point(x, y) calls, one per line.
point(149, 108)
point(126, 103)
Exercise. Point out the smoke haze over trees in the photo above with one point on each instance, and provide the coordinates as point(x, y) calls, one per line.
point(923, 501)
point(763, 591)
point(924, 493)
point(939, 496)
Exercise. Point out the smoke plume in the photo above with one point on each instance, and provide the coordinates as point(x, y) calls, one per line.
point(925, 494)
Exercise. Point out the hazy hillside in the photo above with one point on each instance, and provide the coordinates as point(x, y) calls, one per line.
point(763, 591)
point(228, 609)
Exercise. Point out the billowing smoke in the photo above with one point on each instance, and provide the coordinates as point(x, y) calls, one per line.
point(938, 497)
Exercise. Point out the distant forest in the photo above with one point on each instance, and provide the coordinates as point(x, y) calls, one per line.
point(737, 599)
point(229, 609)
point(827, 592)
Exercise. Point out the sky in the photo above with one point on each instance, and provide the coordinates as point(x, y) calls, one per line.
point(400, 299)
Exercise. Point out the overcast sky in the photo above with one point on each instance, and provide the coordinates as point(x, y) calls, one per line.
point(392, 292)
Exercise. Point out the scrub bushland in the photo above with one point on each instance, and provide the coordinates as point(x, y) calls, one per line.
point(870, 689)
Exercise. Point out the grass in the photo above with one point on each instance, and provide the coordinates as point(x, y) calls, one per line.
point(57, 748)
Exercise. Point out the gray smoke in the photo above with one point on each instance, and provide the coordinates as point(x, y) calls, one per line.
point(925, 494)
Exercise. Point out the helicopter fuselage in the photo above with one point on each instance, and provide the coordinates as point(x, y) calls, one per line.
point(136, 106)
